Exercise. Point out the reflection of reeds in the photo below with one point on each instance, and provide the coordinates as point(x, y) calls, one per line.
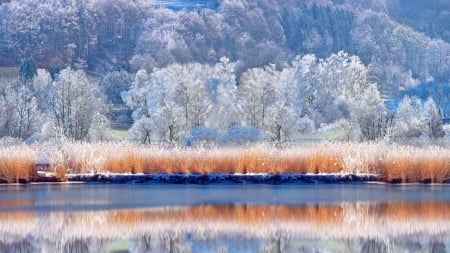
point(390, 162)
point(17, 223)
point(328, 221)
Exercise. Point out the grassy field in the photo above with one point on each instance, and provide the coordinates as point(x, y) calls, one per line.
point(393, 163)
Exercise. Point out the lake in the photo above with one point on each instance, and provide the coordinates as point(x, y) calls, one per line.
point(224, 218)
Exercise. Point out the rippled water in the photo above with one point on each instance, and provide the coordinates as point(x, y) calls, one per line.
point(224, 218)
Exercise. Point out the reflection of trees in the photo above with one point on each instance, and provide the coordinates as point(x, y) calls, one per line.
point(77, 246)
point(145, 243)
point(168, 243)
point(278, 229)
point(374, 246)
point(23, 246)
point(437, 247)
point(409, 245)
point(279, 243)
point(174, 242)
point(171, 243)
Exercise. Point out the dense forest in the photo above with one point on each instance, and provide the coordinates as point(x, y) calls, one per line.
point(225, 71)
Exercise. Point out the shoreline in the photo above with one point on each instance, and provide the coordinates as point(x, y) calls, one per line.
point(202, 179)
point(217, 178)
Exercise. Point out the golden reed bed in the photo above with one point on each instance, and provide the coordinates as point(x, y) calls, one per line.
point(338, 221)
point(391, 162)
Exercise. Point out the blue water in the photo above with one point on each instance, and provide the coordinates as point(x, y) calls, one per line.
point(53, 197)
point(224, 218)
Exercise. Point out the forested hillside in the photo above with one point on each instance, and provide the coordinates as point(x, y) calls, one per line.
point(317, 59)
point(430, 17)
point(127, 34)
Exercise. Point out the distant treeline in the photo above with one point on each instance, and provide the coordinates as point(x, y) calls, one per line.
point(130, 35)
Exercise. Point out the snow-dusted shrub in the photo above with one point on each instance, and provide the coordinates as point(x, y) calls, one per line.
point(201, 135)
point(240, 135)
point(409, 120)
point(99, 130)
point(433, 119)
point(73, 103)
point(304, 125)
point(142, 130)
point(446, 129)
point(415, 119)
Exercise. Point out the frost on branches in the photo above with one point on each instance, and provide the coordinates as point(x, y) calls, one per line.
point(280, 102)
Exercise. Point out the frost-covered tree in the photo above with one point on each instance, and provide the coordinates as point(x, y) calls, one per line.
point(303, 85)
point(187, 87)
point(180, 97)
point(41, 81)
point(40, 87)
point(100, 130)
point(433, 119)
point(140, 91)
point(176, 98)
point(20, 114)
point(225, 111)
point(338, 87)
point(256, 94)
point(283, 118)
point(74, 103)
point(183, 101)
point(369, 115)
point(143, 130)
point(299, 98)
point(409, 121)
point(416, 119)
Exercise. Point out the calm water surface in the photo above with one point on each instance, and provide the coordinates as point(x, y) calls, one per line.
point(224, 218)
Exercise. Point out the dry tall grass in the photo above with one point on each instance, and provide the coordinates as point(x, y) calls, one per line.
point(393, 163)
point(17, 164)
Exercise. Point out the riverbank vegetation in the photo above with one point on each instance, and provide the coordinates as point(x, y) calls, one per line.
point(17, 164)
point(391, 162)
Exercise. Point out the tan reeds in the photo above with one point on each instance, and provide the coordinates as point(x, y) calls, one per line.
point(393, 163)
point(412, 164)
point(17, 164)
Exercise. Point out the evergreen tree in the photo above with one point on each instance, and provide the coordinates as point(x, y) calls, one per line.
point(27, 69)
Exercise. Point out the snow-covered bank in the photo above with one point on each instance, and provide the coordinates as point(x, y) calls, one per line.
point(224, 178)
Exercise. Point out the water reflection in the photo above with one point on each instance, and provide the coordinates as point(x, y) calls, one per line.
point(346, 227)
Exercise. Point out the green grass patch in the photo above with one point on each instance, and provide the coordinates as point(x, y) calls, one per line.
point(119, 134)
